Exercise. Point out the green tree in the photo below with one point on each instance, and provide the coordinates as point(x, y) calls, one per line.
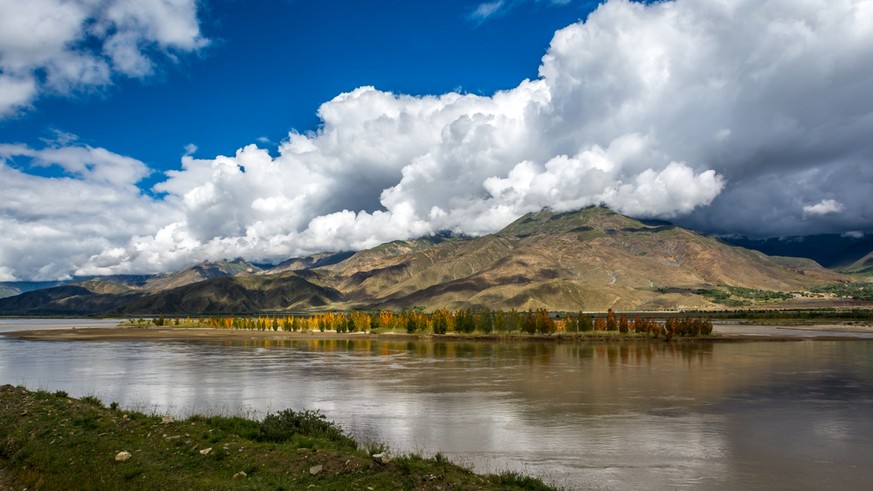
point(585, 323)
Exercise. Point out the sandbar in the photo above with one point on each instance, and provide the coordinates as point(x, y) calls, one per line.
point(87, 331)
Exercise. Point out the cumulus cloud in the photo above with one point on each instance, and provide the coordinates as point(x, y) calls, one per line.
point(730, 116)
point(64, 46)
point(824, 207)
point(71, 210)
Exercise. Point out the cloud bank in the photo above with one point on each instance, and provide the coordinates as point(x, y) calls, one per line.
point(740, 116)
point(69, 46)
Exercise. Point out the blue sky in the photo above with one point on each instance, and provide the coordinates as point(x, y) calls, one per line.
point(271, 64)
point(138, 137)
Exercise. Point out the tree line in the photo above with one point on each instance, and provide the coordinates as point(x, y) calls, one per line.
point(466, 321)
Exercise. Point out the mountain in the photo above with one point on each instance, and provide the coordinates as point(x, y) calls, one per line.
point(309, 262)
point(862, 267)
point(11, 288)
point(830, 250)
point(8, 291)
point(101, 295)
point(206, 270)
point(86, 299)
point(288, 291)
point(592, 259)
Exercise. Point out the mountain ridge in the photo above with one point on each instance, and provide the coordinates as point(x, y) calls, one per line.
point(591, 259)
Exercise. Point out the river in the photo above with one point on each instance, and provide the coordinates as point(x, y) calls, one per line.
point(743, 415)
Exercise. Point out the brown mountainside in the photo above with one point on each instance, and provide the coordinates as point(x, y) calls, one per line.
point(204, 271)
point(287, 291)
point(591, 259)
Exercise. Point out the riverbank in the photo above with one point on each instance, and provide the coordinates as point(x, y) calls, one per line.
point(723, 333)
point(50, 441)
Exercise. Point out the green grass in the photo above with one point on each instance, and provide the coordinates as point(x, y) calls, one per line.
point(734, 296)
point(856, 291)
point(50, 441)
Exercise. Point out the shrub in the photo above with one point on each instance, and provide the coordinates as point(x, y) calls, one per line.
point(284, 425)
point(93, 400)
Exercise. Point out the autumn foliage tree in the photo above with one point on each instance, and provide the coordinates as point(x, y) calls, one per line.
point(466, 321)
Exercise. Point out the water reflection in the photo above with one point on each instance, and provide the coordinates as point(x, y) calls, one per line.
point(584, 415)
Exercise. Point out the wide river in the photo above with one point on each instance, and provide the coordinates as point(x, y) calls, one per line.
point(745, 415)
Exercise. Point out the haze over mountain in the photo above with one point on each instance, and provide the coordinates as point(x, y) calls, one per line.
point(592, 259)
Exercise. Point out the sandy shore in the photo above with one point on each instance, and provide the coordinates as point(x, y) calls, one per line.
point(171, 333)
point(723, 332)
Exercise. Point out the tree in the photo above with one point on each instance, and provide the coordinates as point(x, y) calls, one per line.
point(611, 323)
point(584, 322)
point(440, 321)
point(571, 324)
point(529, 323)
point(500, 321)
point(485, 321)
point(600, 324)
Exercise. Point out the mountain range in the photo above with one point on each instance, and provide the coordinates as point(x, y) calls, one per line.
point(592, 259)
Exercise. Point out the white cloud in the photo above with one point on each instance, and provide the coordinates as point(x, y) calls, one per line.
point(63, 46)
point(485, 10)
point(57, 226)
point(715, 114)
point(6, 274)
point(15, 93)
point(824, 207)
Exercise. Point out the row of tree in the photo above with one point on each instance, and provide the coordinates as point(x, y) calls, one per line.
point(465, 321)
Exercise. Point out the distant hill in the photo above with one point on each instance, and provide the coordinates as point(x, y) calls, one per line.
point(101, 295)
point(863, 266)
point(65, 300)
point(204, 271)
point(8, 291)
point(11, 288)
point(289, 291)
point(309, 262)
point(592, 259)
point(830, 250)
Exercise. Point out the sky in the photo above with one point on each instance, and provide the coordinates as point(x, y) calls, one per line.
point(149, 135)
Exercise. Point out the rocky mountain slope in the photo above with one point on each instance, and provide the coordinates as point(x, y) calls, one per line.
point(287, 291)
point(204, 271)
point(593, 259)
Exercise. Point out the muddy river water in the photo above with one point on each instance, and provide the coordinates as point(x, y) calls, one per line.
point(734, 415)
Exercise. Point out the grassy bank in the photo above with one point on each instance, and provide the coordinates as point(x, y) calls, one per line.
point(50, 441)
